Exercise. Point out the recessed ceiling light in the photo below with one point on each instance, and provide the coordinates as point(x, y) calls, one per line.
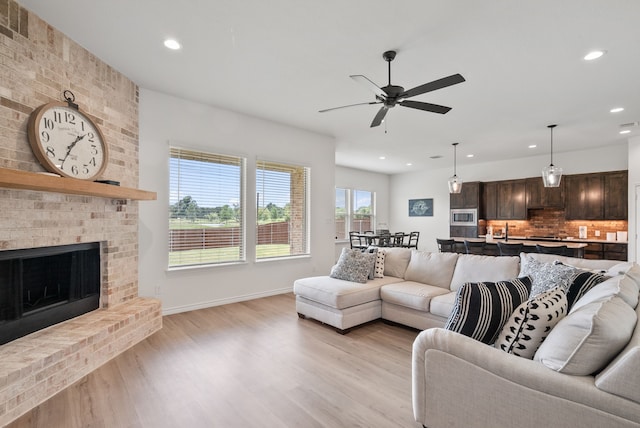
point(533, 146)
point(617, 109)
point(469, 155)
point(409, 164)
point(625, 131)
point(172, 44)
point(593, 55)
point(382, 158)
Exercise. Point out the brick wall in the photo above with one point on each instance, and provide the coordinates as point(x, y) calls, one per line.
point(37, 63)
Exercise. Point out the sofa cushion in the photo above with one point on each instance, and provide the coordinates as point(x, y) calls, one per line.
point(410, 294)
point(338, 293)
point(587, 339)
point(396, 261)
point(581, 283)
point(620, 286)
point(482, 308)
point(580, 263)
point(531, 322)
point(476, 268)
point(443, 305)
point(622, 377)
point(354, 265)
point(545, 276)
point(431, 268)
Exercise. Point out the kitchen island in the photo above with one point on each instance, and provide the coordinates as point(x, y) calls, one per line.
point(575, 249)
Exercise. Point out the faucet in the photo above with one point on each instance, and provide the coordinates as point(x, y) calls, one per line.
point(506, 232)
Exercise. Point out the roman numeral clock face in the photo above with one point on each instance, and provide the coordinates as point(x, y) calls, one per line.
point(67, 142)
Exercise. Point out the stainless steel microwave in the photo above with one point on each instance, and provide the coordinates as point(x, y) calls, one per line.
point(464, 217)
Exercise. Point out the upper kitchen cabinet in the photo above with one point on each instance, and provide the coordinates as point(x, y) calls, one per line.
point(489, 201)
point(615, 195)
point(511, 200)
point(597, 196)
point(584, 197)
point(539, 196)
point(469, 197)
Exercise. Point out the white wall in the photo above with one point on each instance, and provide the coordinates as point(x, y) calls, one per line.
point(433, 184)
point(350, 178)
point(164, 120)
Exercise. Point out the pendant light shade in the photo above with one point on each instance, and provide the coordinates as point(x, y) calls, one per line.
point(552, 174)
point(455, 183)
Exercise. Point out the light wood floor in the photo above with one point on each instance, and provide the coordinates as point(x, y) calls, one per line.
point(249, 364)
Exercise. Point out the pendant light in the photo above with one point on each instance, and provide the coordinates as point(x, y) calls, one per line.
point(552, 174)
point(455, 183)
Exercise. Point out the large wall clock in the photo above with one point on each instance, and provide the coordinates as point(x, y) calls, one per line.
point(67, 141)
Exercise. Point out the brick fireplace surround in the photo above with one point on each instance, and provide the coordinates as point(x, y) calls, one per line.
point(37, 63)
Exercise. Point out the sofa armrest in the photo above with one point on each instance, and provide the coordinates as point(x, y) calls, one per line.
point(455, 376)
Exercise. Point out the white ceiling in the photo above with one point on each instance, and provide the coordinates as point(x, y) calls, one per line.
point(284, 60)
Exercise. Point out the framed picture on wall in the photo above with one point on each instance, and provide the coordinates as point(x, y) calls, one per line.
point(421, 207)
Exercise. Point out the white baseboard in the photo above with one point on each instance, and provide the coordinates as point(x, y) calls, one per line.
point(225, 301)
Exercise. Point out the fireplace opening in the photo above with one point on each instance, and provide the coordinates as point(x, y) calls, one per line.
point(40, 287)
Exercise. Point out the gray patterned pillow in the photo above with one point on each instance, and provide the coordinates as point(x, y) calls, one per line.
point(532, 321)
point(545, 276)
point(353, 265)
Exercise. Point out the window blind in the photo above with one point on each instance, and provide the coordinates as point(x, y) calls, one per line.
point(282, 228)
point(206, 195)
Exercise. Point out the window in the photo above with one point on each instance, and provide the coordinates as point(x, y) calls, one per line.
point(281, 216)
point(206, 197)
point(355, 211)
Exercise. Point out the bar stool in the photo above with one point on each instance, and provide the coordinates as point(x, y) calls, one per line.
point(446, 245)
point(474, 247)
point(507, 249)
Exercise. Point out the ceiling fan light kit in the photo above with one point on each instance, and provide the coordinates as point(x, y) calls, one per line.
point(455, 182)
point(551, 175)
point(391, 95)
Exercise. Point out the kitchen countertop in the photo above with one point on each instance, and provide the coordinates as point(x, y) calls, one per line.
point(529, 242)
point(550, 240)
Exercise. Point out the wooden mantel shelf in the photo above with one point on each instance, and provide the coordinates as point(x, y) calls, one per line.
point(26, 180)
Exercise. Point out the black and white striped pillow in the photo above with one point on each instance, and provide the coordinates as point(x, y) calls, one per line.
point(532, 321)
point(482, 308)
point(581, 283)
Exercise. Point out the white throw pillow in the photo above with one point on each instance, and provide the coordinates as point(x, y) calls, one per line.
point(379, 268)
point(531, 322)
point(587, 339)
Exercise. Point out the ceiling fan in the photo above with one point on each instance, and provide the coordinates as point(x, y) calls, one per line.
point(391, 95)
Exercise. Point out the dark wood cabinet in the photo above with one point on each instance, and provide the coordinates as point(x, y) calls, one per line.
point(615, 195)
point(469, 197)
point(615, 251)
point(539, 196)
point(489, 201)
point(463, 232)
point(584, 197)
point(511, 200)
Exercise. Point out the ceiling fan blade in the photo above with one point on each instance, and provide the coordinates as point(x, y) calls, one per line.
point(433, 108)
point(369, 84)
point(379, 116)
point(350, 105)
point(432, 86)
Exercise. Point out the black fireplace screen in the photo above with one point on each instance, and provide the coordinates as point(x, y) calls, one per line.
point(40, 287)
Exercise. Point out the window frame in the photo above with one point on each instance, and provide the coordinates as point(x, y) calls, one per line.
point(350, 204)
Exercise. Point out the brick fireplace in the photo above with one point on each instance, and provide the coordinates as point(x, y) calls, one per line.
point(39, 63)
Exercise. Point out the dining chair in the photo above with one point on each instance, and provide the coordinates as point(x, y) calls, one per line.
point(558, 250)
point(474, 247)
point(356, 240)
point(398, 239)
point(413, 240)
point(446, 245)
point(384, 239)
point(507, 249)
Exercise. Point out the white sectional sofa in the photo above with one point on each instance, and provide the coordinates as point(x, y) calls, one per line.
point(461, 382)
